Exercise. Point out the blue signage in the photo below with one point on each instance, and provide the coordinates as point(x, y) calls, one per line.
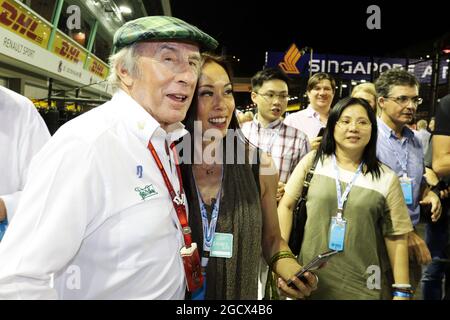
point(358, 67)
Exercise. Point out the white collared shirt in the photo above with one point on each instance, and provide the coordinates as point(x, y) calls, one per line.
point(22, 134)
point(307, 120)
point(96, 212)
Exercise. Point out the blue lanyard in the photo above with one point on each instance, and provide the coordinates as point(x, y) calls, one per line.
point(209, 228)
point(403, 164)
point(341, 198)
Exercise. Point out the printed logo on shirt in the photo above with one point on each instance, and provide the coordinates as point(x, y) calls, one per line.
point(146, 192)
point(139, 171)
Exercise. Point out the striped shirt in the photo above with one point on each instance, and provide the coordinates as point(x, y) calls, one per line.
point(285, 144)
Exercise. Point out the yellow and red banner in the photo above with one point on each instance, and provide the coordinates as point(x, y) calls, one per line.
point(97, 67)
point(22, 22)
point(68, 49)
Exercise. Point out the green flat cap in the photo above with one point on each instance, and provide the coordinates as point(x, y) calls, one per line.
point(161, 28)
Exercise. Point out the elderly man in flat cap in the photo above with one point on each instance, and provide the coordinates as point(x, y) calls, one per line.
point(102, 215)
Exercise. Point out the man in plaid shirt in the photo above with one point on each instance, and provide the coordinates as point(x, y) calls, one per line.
point(285, 144)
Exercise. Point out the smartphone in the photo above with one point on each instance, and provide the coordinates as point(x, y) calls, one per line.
point(320, 134)
point(316, 263)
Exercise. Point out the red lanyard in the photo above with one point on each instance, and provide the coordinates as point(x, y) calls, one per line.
point(177, 200)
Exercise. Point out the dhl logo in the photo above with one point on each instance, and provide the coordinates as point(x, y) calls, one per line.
point(97, 68)
point(290, 60)
point(21, 23)
point(68, 51)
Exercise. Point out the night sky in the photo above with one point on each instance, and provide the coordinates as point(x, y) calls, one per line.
point(247, 29)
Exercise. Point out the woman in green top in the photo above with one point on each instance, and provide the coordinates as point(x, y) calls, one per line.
point(355, 205)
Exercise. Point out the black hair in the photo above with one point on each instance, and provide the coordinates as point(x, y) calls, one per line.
point(191, 115)
point(266, 75)
point(328, 144)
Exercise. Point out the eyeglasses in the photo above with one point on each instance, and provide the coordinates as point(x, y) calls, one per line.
point(405, 100)
point(359, 124)
point(271, 95)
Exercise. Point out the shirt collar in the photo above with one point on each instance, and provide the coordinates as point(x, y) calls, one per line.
point(141, 123)
point(271, 125)
point(310, 112)
point(382, 126)
point(408, 133)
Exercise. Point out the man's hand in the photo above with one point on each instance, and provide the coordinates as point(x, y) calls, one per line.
point(2, 210)
point(436, 209)
point(430, 177)
point(418, 248)
point(280, 190)
point(315, 143)
point(302, 290)
point(445, 193)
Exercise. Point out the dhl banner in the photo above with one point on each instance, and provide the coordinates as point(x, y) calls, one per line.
point(24, 37)
point(22, 22)
point(97, 67)
point(32, 57)
point(67, 49)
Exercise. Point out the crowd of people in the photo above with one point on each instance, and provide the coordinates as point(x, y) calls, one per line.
point(168, 192)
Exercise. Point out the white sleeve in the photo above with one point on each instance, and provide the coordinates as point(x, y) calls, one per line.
point(288, 120)
point(11, 200)
point(33, 136)
point(63, 193)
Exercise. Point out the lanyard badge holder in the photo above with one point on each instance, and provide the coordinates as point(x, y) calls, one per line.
point(218, 245)
point(191, 263)
point(189, 252)
point(405, 182)
point(407, 188)
point(338, 224)
point(337, 232)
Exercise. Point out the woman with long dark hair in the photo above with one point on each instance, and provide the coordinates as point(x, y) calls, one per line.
point(232, 204)
point(355, 206)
